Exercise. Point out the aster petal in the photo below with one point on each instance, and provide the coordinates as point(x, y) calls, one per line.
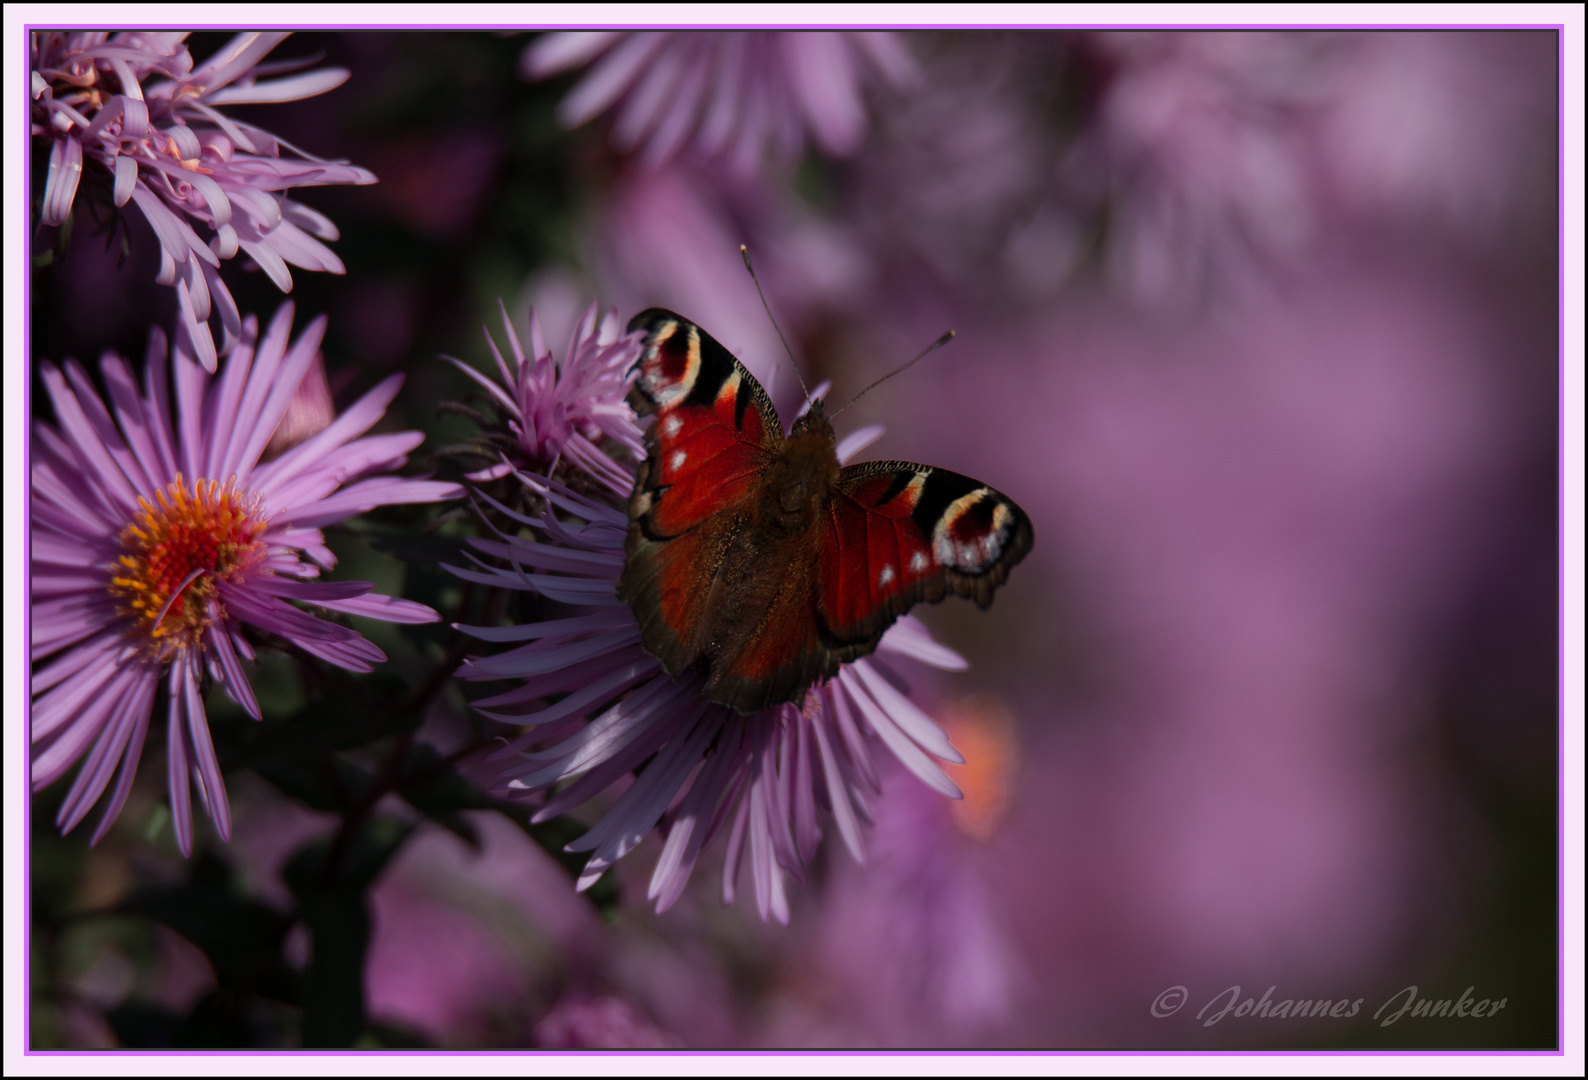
point(688, 831)
point(908, 637)
point(235, 681)
point(858, 440)
point(156, 469)
point(354, 421)
point(838, 794)
point(306, 85)
point(269, 261)
point(642, 805)
point(107, 753)
point(309, 592)
point(825, 83)
point(221, 422)
point(206, 767)
point(193, 331)
point(302, 250)
point(274, 378)
point(157, 393)
point(97, 694)
point(367, 495)
point(129, 759)
point(581, 701)
point(735, 849)
point(60, 183)
point(904, 714)
point(126, 179)
point(168, 228)
point(55, 624)
point(390, 609)
point(610, 79)
point(903, 748)
point(278, 372)
point(69, 413)
point(176, 763)
point(622, 761)
point(234, 59)
point(564, 50)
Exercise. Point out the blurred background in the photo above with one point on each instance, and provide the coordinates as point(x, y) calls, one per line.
point(1261, 329)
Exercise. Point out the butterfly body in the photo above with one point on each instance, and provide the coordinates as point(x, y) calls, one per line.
point(757, 557)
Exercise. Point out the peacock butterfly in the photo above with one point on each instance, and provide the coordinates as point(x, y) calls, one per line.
point(756, 556)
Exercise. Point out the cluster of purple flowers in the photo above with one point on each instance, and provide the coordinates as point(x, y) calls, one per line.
point(159, 531)
point(132, 108)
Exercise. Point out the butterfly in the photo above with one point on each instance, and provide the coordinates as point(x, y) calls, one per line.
point(756, 556)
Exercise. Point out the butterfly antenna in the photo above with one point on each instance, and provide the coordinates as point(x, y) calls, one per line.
point(938, 344)
point(745, 252)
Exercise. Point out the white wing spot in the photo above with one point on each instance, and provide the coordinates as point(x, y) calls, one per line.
point(918, 562)
point(671, 425)
point(886, 575)
point(679, 457)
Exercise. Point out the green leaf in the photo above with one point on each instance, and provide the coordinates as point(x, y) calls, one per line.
point(241, 937)
point(329, 878)
point(354, 714)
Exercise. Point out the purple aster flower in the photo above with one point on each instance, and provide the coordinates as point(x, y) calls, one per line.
point(565, 409)
point(607, 1022)
point(1202, 148)
point(133, 105)
point(156, 533)
point(763, 777)
point(738, 94)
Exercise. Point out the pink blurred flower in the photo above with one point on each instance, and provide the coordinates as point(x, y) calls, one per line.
point(168, 148)
point(1202, 151)
point(564, 409)
point(764, 776)
point(740, 94)
point(608, 1023)
point(1455, 130)
point(912, 950)
point(155, 535)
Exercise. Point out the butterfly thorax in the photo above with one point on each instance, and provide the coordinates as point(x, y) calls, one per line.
point(800, 478)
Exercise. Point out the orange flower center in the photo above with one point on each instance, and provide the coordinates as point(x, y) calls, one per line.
point(177, 553)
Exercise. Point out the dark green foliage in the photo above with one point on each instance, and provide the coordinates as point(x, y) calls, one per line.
point(329, 877)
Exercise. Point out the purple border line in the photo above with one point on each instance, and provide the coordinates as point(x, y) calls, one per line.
point(1560, 544)
point(795, 27)
point(1558, 1052)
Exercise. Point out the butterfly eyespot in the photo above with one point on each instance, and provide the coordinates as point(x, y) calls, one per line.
point(971, 534)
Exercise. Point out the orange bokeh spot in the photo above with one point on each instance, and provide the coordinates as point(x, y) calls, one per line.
point(982, 730)
point(177, 552)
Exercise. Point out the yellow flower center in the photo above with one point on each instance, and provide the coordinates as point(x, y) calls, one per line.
point(177, 553)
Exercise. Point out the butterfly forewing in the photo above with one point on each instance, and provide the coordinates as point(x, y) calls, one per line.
point(715, 427)
point(902, 533)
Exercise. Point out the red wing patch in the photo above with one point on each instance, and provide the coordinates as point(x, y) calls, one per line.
point(900, 533)
point(715, 427)
point(783, 655)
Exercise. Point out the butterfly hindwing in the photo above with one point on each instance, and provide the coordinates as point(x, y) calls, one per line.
point(715, 427)
point(901, 533)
